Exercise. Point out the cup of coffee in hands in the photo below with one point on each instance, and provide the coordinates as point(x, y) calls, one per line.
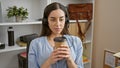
point(59, 42)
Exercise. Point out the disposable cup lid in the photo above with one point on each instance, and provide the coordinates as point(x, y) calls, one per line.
point(59, 39)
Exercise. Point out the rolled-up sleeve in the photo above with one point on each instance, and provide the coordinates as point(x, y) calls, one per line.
point(79, 53)
point(32, 60)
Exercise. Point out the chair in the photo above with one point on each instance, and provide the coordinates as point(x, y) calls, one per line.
point(23, 58)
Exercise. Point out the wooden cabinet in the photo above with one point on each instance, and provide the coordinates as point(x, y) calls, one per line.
point(87, 44)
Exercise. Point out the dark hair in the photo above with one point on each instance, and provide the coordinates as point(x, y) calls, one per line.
point(53, 6)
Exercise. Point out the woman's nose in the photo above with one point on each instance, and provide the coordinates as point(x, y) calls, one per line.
point(57, 22)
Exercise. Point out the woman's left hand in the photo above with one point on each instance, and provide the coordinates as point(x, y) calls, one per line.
point(64, 52)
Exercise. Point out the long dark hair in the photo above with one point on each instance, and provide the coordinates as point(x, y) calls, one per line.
point(53, 6)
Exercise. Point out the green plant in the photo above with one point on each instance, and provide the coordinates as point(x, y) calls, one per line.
point(17, 12)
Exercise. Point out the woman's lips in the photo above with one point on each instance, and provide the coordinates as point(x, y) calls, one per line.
point(57, 29)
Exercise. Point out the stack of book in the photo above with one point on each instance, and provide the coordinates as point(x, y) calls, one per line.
point(22, 44)
point(26, 39)
point(85, 59)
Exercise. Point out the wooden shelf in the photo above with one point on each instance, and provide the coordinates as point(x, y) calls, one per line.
point(87, 41)
point(31, 23)
point(86, 62)
point(11, 48)
point(16, 47)
point(20, 23)
point(78, 21)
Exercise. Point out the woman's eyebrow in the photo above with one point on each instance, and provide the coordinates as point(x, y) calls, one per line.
point(59, 17)
point(62, 16)
point(52, 17)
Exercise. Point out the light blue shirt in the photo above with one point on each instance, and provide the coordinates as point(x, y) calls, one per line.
point(40, 50)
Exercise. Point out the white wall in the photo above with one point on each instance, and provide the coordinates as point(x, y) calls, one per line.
point(0, 13)
point(66, 2)
point(106, 29)
point(35, 8)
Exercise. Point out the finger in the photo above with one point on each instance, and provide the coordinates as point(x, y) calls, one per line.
point(64, 46)
point(59, 58)
point(57, 53)
point(63, 51)
point(63, 56)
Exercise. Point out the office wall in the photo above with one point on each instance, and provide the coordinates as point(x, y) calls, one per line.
point(106, 29)
point(0, 13)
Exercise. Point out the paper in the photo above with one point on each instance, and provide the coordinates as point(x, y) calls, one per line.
point(117, 54)
point(110, 59)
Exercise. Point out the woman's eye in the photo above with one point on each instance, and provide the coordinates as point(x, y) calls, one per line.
point(52, 19)
point(61, 19)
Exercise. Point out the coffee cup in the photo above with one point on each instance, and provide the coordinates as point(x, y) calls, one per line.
point(59, 41)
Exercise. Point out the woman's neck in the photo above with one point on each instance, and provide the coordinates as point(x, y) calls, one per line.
point(52, 36)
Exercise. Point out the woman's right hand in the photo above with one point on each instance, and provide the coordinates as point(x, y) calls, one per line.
point(54, 57)
point(59, 54)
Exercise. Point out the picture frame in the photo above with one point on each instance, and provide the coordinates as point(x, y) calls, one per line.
point(109, 59)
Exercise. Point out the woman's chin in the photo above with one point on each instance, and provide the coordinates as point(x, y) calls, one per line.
point(57, 32)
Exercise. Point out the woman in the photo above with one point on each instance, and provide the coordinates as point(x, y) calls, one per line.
point(55, 24)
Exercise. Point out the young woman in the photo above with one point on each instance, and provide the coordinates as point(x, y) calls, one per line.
point(42, 54)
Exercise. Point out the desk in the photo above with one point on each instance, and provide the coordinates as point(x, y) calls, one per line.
point(117, 56)
point(117, 67)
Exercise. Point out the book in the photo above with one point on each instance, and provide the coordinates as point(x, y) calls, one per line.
point(85, 59)
point(23, 54)
point(21, 44)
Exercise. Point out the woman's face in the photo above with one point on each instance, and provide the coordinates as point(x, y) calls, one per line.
point(56, 21)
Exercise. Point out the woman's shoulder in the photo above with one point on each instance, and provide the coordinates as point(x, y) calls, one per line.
point(72, 37)
point(74, 41)
point(39, 40)
point(35, 43)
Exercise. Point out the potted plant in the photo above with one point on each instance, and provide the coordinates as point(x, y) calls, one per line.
point(20, 14)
